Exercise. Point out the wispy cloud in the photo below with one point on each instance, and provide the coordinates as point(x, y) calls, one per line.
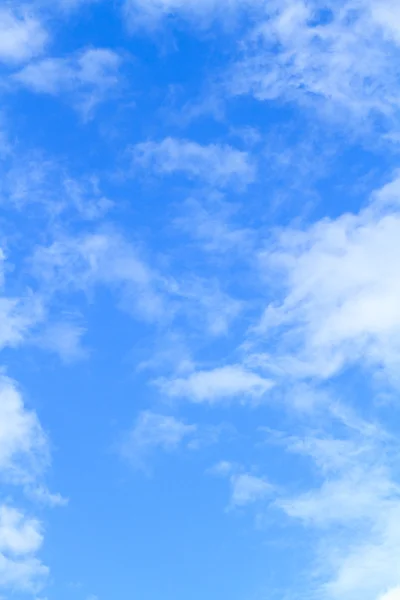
point(90, 260)
point(18, 317)
point(17, 534)
point(216, 385)
point(355, 509)
point(22, 35)
point(317, 51)
point(43, 496)
point(154, 431)
point(24, 457)
point(246, 488)
point(341, 297)
point(151, 13)
point(20, 539)
point(212, 225)
point(108, 259)
point(206, 306)
point(219, 165)
point(69, 5)
point(327, 293)
point(24, 452)
point(32, 179)
point(64, 338)
point(85, 79)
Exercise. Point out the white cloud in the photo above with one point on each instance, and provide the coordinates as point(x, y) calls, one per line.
point(352, 496)
point(222, 469)
point(23, 445)
point(63, 338)
point(150, 13)
point(154, 431)
point(341, 296)
point(68, 5)
point(216, 164)
point(223, 383)
point(387, 15)
point(337, 306)
point(20, 539)
point(17, 317)
point(63, 7)
point(355, 507)
point(5, 146)
point(368, 565)
point(221, 310)
point(344, 54)
point(212, 226)
point(168, 353)
point(86, 196)
point(24, 574)
point(24, 320)
point(107, 259)
point(393, 594)
point(247, 489)
point(380, 554)
point(71, 264)
point(24, 457)
point(18, 535)
point(206, 305)
point(43, 496)
point(22, 36)
point(86, 78)
point(33, 179)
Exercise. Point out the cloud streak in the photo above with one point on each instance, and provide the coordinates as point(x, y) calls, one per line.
point(317, 53)
point(85, 78)
point(154, 431)
point(219, 165)
point(221, 384)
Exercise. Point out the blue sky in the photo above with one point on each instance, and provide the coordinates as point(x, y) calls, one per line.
point(200, 299)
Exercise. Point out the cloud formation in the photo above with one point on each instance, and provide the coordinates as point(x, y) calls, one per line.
point(221, 384)
point(23, 445)
point(151, 13)
point(153, 431)
point(22, 35)
point(313, 52)
point(355, 509)
point(85, 78)
point(81, 263)
point(341, 297)
point(20, 539)
point(216, 164)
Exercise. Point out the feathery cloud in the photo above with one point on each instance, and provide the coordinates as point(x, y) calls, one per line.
point(216, 164)
point(85, 78)
point(313, 52)
point(154, 431)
